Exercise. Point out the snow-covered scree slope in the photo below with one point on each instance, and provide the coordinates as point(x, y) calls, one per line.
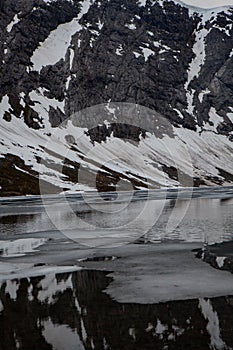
point(167, 66)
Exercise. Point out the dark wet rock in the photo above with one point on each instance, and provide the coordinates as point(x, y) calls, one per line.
point(219, 255)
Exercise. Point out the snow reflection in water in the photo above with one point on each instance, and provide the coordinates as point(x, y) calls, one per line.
point(70, 311)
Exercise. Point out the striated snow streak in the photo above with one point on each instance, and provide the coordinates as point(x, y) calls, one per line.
point(27, 143)
point(187, 151)
point(195, 66)
point(11, 25)
point(199, 52)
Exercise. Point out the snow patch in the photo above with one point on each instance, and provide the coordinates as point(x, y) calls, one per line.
point(146, 52)
point(99, 25)
point(214, 117)
point(119, 50)
point(142, 3)
point(11, 25)
point(4, 105)
point(136, 54)
point(55, 46)
point(131, 26)
point(43, 103)
point(71, 57)
point(220, 261)
point(202, 94)
point(230, 116)
point(110, 109)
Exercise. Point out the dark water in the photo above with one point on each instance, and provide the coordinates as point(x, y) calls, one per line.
point(70, 312)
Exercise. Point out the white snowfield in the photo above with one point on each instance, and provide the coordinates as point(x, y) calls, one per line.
point(192, 153)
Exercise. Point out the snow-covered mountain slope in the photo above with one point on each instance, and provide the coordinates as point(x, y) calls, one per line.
point(158, 76)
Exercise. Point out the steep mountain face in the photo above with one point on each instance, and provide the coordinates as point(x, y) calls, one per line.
point(99, 94)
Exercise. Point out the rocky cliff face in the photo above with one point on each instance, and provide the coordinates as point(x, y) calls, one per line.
point(60, 57)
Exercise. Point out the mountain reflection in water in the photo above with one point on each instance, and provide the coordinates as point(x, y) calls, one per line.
point(71, 311)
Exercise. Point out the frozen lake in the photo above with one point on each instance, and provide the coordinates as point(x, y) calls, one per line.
point(75, 274)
